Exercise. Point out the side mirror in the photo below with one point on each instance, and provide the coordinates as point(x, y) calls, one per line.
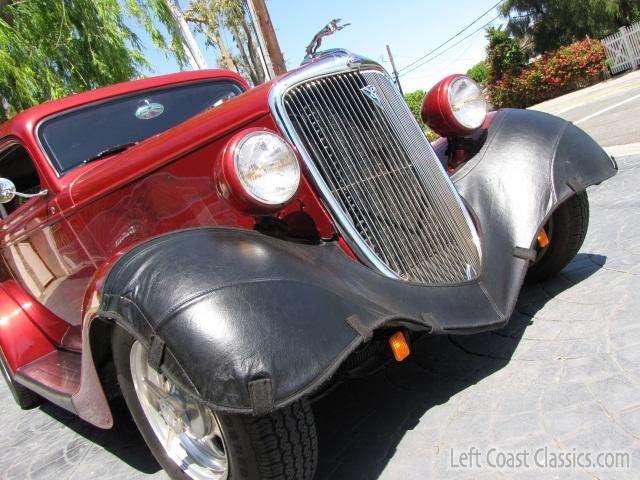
point(8, 191)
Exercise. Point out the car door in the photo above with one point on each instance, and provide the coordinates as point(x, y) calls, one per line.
point(33, 267)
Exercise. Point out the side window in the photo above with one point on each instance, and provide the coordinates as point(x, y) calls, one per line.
point(17, 166)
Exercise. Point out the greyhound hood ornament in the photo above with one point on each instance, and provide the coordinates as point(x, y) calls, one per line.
point(329, 29)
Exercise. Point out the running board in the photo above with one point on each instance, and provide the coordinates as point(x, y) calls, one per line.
point(55, 376)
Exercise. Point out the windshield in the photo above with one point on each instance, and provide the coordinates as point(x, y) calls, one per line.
point(82, 134)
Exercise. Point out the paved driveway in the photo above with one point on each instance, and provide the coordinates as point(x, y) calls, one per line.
point(609, 112)
point(564, 374)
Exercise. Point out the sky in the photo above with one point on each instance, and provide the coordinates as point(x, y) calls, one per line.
point(411, 28)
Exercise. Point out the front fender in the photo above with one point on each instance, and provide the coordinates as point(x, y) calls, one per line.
point(249, 323)
point(530, 163)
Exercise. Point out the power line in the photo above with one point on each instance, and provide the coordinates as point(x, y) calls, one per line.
point(455, 36)
point(444, 63)
point(449, 48)
point(454, 59)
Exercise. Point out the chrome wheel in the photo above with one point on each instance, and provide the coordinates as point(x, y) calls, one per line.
point(189, 433)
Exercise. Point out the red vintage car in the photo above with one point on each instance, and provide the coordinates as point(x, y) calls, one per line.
point(220, 255)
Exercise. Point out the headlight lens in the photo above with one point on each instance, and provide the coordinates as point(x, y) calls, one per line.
point(467, 103)
point(267, 168)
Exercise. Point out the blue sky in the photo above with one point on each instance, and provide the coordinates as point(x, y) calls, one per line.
point(411, 28)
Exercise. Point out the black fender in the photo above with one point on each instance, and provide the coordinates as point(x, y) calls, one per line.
point(249, 323)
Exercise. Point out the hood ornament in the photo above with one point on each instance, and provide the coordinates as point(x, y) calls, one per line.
point(372, 94)
point(329, 29)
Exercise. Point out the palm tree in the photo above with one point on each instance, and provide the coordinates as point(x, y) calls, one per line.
point(211, 17)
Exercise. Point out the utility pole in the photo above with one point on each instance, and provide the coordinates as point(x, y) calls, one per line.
point(189, 45)
point(395, 72)
point(267, 37)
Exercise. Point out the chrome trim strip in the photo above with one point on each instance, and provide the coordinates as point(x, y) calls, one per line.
point(340, 61)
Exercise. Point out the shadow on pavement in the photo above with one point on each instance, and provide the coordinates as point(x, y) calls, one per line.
point(123, 440)
point(361, 423)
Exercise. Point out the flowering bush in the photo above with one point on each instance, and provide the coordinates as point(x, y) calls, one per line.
point(414, 100)
point(555, 73)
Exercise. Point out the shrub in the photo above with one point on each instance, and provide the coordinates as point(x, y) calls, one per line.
point(431, 135)
point(569, 68)
point(414, 100)
point(504, 55)
point(479, 72)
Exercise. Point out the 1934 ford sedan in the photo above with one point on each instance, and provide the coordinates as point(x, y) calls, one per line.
point(218, 254)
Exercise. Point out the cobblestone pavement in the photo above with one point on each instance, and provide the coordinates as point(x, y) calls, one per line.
point(565, 374)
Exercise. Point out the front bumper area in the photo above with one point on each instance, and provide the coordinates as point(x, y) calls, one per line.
point(249, 323)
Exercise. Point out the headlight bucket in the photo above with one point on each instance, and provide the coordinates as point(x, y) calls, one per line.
point(259, 172)
point(454, 106)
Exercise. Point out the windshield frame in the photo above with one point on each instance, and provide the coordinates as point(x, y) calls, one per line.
point(59, 174)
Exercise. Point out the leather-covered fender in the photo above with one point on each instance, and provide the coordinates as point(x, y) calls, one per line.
point(530, 163)
point(249, 323)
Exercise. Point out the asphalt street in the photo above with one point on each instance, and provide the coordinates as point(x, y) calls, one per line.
point(563, 376)
point(609, 112)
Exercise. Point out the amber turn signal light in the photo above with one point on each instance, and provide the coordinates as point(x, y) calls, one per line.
point(543, 239)
point(399, 346)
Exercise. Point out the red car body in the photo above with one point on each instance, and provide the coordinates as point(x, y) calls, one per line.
point(58, 247)
point(95, 212)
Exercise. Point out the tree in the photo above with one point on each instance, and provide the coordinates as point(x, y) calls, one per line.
point(208, 18)
point(479, 72)
point(3, 115)
point(504, 55)
point(212, 18)
point(54, 48)
point(544, 25)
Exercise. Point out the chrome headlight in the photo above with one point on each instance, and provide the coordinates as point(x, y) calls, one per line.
point(266, 168)
point(467, 103)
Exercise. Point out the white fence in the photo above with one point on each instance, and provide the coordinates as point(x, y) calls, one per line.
point(623, 49)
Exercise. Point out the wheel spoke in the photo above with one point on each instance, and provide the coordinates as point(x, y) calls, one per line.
point(155, 392)
point(189, 433)
point(171, 436)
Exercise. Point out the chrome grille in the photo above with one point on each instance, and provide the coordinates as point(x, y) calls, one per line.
point(384, 175)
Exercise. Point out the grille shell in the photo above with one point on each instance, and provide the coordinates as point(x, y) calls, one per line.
point(382, 175)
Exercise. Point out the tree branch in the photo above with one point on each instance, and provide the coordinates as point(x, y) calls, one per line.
point(3, 13)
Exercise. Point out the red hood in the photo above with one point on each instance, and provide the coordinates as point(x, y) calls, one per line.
point(159, 150)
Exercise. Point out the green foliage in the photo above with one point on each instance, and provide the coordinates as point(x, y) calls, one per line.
point(479, 72)
point(545, 25)
point(212, 18)
point(544, 28)
point(431, 135)
point(414, 100)
point(52, 48)
point(504, 55)
point(556, 73)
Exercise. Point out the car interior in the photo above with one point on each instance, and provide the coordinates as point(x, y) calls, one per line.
point(17, 166)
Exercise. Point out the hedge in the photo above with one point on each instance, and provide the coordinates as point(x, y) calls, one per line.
point(555, 73)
